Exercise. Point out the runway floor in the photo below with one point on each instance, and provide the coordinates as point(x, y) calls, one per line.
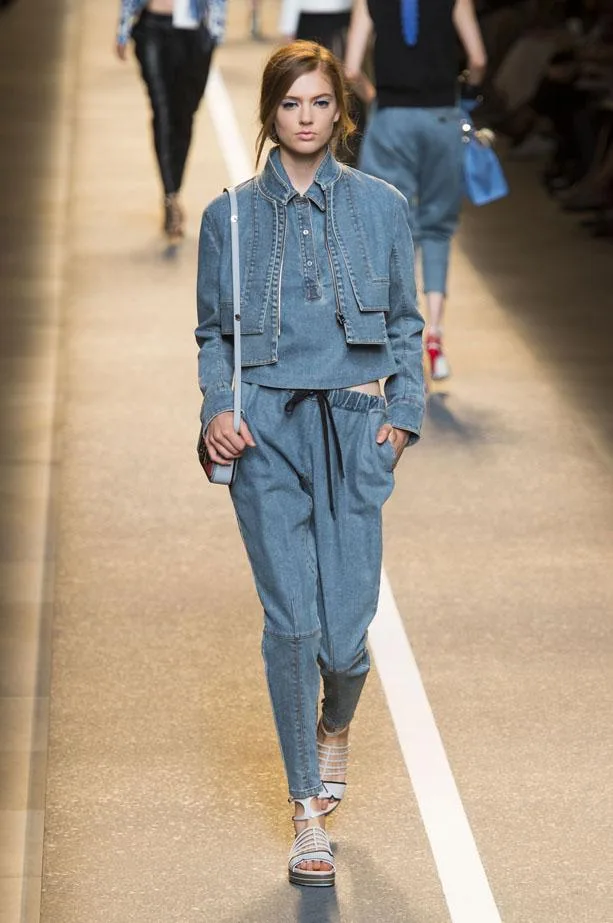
point(139, 774)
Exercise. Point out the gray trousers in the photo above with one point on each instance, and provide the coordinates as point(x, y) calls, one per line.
point(420, 152)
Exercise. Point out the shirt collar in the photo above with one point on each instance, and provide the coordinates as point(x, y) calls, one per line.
point(275, 182)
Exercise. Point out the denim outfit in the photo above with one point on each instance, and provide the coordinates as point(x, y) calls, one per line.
point(419, 150)
point(371, 257)
point(308, 497)
point(312, 348)
point(414, 137)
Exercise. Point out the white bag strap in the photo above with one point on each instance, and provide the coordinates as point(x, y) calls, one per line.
point(236, 299)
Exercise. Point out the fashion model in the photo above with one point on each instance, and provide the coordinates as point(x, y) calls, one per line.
point(414, 136)
point(322, 21)
point(327, 312)
point(174, 42)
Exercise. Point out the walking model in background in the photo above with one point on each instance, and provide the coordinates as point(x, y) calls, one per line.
point(255, 26)
point(174, 42)
point(327, 311)
point(414, 137)
point(325, 22)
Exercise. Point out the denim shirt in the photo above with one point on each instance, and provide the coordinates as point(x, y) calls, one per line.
point(212, 12)
point(313, 352)
point(371, 255)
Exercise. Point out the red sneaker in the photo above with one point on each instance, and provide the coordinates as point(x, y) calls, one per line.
point(439, 367)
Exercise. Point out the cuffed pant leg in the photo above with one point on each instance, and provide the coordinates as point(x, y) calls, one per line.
point(440, 194)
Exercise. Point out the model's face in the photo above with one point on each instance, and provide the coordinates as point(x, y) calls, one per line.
point(306, 117)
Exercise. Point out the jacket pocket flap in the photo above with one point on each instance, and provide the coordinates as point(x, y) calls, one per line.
point(373, 295)
point(252, 318)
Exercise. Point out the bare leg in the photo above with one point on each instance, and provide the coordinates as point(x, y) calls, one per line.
point(435, 304)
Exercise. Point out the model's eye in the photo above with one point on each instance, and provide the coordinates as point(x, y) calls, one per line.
point(288, 104)
point(322, 103)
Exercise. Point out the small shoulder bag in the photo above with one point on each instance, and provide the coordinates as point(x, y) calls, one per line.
point(216, 473)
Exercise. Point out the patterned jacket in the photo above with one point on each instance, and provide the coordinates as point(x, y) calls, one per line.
point(212, 12)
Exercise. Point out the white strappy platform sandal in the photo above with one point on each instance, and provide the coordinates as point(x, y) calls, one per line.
point(311, 845)
point(332, 762)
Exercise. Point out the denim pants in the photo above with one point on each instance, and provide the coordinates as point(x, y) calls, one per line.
point(174, 65)
point(317, 573)
point(420, 152)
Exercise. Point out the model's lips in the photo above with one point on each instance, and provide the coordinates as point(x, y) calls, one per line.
point(306, 135)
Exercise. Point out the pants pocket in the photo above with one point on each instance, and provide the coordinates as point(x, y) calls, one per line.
point(384, 452)
point(388, 454)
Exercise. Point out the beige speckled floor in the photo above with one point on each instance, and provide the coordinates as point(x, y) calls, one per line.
point(498, 548)
point(37, 64)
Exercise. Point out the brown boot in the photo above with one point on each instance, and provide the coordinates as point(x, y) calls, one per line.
point(173, 218)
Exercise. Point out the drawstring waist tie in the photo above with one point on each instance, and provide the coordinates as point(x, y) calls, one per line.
point(327, 424)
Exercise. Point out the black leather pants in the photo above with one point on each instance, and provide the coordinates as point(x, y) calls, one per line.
point(175, 66)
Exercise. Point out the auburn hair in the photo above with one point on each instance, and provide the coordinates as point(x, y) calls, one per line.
point(285, 66)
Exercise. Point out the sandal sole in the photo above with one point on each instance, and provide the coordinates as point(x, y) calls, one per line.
point(308, 880)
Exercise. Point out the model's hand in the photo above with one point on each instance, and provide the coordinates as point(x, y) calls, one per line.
point(363, 88)
point(221, 440)
point(121, 51)
point(476, 71)
point(397, 437)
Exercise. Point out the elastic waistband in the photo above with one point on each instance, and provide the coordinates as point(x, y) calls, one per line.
point(353, 400)
point(337, 397)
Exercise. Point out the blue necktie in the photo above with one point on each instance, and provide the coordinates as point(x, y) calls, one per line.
point(409, 12)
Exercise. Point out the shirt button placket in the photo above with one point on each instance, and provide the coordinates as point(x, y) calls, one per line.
point(310, 271)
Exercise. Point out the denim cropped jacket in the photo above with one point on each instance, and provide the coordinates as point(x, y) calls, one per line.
point(371, 257)
point(211, 12)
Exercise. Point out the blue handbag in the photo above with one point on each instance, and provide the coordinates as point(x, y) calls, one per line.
point(484, 180)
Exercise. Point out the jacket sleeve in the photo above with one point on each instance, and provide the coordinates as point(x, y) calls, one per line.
point(404, 391)
point(215, 12)
point(215, 355)
point(127, 12)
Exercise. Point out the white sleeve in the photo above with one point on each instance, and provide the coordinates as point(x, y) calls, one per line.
point(288, 19)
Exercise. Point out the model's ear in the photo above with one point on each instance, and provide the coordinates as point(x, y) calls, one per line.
point(273, 134)
point(337, 116)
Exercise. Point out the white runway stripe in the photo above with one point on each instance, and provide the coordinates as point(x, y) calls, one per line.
point(460, 869)
point(229, 134)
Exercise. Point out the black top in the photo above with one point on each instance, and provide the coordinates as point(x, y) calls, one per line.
point(424, 75)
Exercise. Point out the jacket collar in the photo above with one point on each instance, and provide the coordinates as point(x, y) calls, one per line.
point(274, 181)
